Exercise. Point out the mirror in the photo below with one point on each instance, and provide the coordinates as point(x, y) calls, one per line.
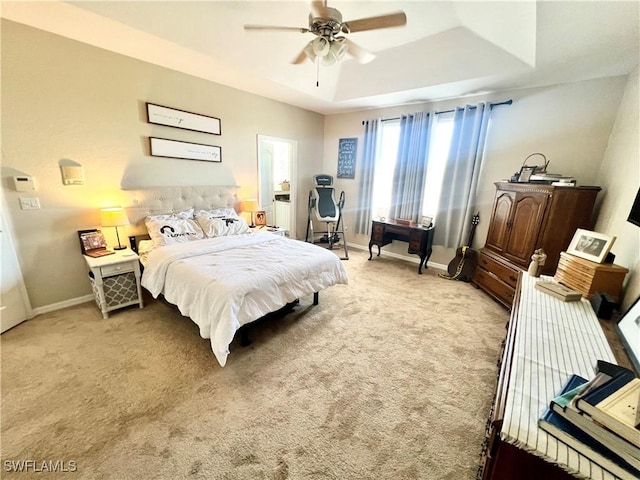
point(277, 161)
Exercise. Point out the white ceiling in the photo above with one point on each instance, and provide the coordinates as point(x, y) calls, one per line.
point(447, 49)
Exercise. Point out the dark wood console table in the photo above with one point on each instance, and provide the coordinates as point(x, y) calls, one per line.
point(420, 239)
point(535, 369)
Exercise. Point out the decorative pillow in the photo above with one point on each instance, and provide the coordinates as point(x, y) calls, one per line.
point(222, 226)
point(173, 230)
point(218, 213)
point(186, 214)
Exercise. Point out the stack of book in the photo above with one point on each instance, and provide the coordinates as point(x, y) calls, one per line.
point(600, 419)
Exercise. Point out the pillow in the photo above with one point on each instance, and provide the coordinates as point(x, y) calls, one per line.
point(222, 226)
point(218, 213)
point(173, 230)
point(174, 215)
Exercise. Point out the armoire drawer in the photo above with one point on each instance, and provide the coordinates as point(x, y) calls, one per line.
point(508, 275)
point(490, 283)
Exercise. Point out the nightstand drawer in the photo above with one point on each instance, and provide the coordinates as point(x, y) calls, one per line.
point(116, 269)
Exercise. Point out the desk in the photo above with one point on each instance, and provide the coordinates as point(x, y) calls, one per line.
point(420, 239)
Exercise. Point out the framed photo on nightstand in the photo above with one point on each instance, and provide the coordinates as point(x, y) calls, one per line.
point(261, 218)
point(92, 243)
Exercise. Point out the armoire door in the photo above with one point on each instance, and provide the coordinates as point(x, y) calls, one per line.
point(498, 233)
point(525, 226)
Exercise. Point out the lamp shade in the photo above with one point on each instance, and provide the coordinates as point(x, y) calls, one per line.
point(114, 217)
point(250, 205)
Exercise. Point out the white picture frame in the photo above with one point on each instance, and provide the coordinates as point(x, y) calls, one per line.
point(628, 328)
point(173, 117)
point(162, 147)
point(426, 221)
point(590, 245)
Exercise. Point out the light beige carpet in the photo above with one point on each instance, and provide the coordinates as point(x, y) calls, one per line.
point(389, 377)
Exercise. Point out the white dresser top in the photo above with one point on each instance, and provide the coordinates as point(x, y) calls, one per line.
point(554, 339)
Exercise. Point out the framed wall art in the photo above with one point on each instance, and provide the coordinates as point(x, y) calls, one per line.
point(173, 117)
point(161, 147)
point(629, 330)
point(347, 149)
point(589, 245)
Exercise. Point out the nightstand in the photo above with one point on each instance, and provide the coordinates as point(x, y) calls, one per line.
point(115, 280)
point(275, 230)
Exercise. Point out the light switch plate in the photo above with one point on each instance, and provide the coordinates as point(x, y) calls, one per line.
point(29, 203)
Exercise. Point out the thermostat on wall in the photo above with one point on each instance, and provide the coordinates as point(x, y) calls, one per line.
point(24, 183)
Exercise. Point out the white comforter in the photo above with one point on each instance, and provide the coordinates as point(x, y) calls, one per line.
point(223, 283)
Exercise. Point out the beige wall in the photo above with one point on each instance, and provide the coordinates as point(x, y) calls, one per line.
point(64, 100)
point(570, 124)
point(620, 175)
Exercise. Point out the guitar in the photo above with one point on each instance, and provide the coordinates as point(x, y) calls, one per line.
point(464, 265)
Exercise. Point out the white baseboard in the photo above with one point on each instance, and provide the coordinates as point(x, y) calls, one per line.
point(64, 304)
point(409, 258)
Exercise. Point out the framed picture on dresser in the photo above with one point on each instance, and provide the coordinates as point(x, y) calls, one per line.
point(589, 245)
point(629, 330)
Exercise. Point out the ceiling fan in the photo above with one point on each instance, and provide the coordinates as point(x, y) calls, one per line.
point(330, 45)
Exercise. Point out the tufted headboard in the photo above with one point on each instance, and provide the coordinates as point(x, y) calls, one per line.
point(156, 200)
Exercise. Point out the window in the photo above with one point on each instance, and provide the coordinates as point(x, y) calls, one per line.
point(438, 153)
point(439, 146)
point(385, 164)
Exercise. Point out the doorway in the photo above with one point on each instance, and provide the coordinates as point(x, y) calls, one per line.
point(14, 301)
point(277, 162)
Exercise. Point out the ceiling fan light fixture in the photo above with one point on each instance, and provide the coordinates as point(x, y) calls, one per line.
point(320, 46)
point(335, 54)
point(338, 48)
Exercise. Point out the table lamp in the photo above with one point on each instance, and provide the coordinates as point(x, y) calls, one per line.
point(114, 217)
point(251, 205)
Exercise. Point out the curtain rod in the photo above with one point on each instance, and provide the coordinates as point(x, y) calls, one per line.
point(491, 105)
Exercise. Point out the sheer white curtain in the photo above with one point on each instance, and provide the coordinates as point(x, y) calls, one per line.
point(367, 170)
point(409, 176)
point(460, 182)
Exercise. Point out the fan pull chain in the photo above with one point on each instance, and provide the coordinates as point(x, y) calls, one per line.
point(317, 72)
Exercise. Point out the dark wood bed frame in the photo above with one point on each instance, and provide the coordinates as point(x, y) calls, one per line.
point(243, 330)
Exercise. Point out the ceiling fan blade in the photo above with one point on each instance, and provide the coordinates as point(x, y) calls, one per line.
point(359, 53)
point(276, 28)
point(397, 19)
point(300, 59)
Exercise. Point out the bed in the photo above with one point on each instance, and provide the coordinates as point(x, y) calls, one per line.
point(204, 259)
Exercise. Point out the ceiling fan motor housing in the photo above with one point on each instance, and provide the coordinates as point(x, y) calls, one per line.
point(328, 25)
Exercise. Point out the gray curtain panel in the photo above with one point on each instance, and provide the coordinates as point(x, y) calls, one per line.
point(372, 138)
point(407, 190)
point(460, 182)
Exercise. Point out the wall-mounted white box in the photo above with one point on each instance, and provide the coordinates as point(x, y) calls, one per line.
point(72, 174)
point(24, 183)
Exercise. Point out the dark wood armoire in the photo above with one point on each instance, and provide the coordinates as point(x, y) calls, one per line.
point(526, 217)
